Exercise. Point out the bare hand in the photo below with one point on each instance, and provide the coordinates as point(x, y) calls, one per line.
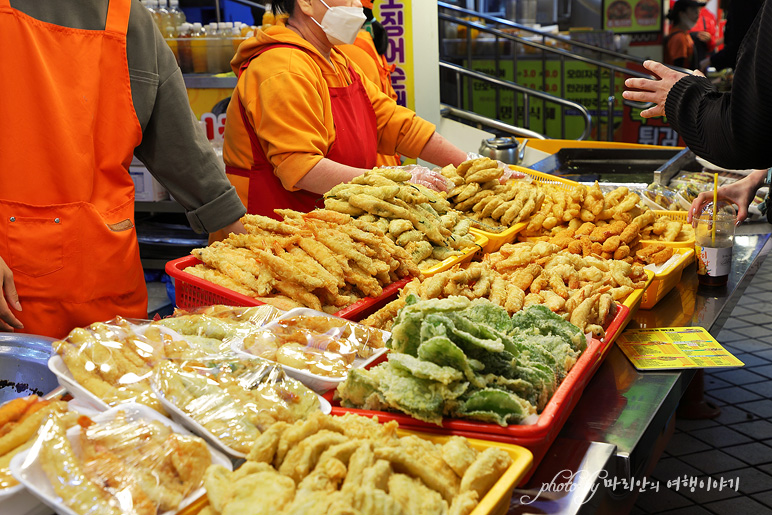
point(740, 193)
point(8, 322)
point(654, 91)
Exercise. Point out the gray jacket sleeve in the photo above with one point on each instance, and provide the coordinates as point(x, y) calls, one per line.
point(174, 148)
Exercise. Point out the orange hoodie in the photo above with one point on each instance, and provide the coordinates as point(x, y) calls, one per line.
point(287, 101)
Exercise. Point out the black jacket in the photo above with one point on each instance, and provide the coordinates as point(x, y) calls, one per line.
point(734, 129)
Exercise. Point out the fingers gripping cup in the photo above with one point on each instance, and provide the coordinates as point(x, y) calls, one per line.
point(714, 238)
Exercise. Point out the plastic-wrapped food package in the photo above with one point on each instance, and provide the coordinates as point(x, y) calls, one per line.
point(125, 460)
point(255, 315)
point(112, 361)
point(20, 420)
point(318, 345)
point(232, 400)
point(660, 197)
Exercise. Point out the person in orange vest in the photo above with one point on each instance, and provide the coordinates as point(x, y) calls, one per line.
point(87, 86)
point(373, 63)
point(679, 45)
point(304, 118)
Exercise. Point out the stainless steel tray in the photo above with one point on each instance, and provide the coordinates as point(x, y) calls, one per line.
point(24, 366)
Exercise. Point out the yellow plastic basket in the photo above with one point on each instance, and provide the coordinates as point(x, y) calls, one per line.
point(665, 280)
point(679, 216)
point(633, 301)
point(498, 240)
point(469, 254)
point(495, 502)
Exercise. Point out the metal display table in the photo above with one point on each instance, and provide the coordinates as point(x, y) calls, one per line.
point(625, 417)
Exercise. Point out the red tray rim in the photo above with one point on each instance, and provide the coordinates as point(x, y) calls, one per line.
point(175, 269)
point(550, 420)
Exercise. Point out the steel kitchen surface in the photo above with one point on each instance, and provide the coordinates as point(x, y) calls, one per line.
point(625, 417)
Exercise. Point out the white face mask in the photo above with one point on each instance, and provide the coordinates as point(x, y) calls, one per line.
point(341, 23)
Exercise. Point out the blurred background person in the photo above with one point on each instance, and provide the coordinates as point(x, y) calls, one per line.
point(679, 45)
point(704, 34)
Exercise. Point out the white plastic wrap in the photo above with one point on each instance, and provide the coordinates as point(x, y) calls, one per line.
point(231, 402)
point(130, 460)
point(316, 352)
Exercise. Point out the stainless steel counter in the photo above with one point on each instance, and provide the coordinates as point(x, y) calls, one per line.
point(631, 412)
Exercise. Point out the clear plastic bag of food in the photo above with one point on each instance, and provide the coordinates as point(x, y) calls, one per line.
point(255, 315)
point(657, 196)
point(109, 363)
point(231, 401)
point(317, 348)
point(125, 460)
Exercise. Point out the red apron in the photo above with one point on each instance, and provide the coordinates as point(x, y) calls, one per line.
point(67, 137)
point(356, 144)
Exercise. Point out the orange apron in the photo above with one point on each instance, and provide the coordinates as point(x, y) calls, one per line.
point(66, 198)
point(356, 144)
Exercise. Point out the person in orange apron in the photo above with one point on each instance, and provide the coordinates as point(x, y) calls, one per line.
point(303, 118)
point(375, 67)
point(69, 254)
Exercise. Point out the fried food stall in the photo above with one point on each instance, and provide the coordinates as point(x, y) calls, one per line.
point(499, 301)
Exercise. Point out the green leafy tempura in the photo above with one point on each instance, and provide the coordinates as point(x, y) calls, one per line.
point(460, 358)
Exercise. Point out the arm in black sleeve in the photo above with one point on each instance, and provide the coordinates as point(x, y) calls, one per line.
point(730, 129)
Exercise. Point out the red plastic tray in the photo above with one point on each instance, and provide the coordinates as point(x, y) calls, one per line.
point(537, 437)
point(193, 292)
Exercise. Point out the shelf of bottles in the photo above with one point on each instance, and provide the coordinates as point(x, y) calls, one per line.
point(204, 50)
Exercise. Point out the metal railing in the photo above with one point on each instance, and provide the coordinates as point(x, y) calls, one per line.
point(507, 39)
point(511, 86)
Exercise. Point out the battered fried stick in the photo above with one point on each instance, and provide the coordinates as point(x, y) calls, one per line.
point(310, 266)
point(213, 276)
point(281, 268)
point(214, 259)
point(325, 258)
point(299, 294)
point(259, 222)
point(342, 244)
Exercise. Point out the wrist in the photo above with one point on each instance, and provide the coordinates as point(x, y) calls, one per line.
point(764, 177)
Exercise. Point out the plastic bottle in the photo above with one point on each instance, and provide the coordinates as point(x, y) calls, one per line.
point(246, 29)
point(150, 5)
point(185, 51)
point(236, 37)
point(268, 17)
point(213, 48)
point(227, 46)
point(713, 247)
point(171, 39)
point(198, 48)
point(175, 13)
point(164, 20)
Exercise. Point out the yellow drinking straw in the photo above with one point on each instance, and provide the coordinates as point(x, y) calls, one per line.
point(715, 208)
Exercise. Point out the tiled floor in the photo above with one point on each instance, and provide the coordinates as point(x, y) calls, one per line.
point(737, 444)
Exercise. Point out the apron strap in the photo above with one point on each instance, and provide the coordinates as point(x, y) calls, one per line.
point(5, 3)
point(117, 16)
